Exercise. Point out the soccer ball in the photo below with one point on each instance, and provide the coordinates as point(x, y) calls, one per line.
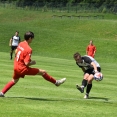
point(98, 76)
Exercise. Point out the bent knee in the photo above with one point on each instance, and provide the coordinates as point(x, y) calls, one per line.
point(41, 72)
point(15, 80)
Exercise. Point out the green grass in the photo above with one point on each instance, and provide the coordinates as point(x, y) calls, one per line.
point(33, 96)
point(56, 37)
point(56, 40)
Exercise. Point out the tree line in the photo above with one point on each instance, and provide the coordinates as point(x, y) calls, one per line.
point(101, 5)
point(65, 1)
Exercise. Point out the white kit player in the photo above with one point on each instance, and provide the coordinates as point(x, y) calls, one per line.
point(14, 41)
point(89, 67)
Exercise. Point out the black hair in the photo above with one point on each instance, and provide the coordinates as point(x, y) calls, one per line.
point(28, 35)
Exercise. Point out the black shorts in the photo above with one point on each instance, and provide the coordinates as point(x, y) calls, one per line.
point(91, 71)
point(13, 48)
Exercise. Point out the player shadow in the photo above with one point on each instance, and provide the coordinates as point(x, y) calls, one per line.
point(100, 98)
point(56, 99)
point(39, 99)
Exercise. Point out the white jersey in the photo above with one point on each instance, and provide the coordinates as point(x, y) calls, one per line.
point(87, 62)
point(15, 40)
point(93, 60)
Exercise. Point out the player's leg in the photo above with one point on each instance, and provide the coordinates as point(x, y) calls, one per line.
point(49, 78)
point(89, 86)
point(11, 52)
point(15, 52)
point(84, 83)
point(8, 86)
point(45, 75)
point(13, 48)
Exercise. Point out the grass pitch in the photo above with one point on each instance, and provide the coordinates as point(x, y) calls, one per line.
point(55, 42)
point(33, 96)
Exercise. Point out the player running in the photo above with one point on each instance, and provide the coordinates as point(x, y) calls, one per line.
point(23, 62)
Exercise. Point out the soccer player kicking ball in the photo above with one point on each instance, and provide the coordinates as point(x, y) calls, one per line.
point(89, 66)
point(23, 61)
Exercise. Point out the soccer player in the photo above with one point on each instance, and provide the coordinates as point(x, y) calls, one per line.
point(22, 63)
point(89, 67)
point(13, 43)
point(91, 49)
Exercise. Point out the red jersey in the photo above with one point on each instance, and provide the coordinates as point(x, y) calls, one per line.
point(91, 49)
point(23, 55)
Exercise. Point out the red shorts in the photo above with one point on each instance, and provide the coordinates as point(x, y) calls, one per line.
point(28, 71)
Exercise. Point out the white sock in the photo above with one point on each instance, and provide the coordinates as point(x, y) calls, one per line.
point(1, 93)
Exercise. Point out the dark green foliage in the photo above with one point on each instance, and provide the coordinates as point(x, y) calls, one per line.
point(92, 5)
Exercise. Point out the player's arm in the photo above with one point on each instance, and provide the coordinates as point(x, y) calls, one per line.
point(94, 50)
point(16, 52)
point(87, 49)
point(94, 66)
point(27, 60)
point(32, 62)
point(10, 42)
point(89, 61)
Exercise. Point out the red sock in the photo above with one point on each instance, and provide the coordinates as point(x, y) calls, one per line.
point(49, 78)
point(7, 87)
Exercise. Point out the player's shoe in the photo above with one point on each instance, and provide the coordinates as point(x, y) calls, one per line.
point(1, 95)
point(59, 82)
point(80, 88)
point(86, 96)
